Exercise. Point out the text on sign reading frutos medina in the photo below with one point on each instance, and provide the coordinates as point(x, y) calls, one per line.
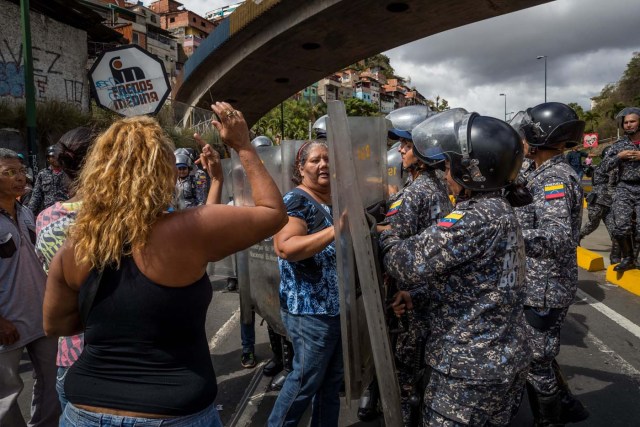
point(133, 94)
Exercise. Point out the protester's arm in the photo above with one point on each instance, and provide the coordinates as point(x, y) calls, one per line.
point(210, 162)
point(236, 228)
point(60, 310)
point(294, 244)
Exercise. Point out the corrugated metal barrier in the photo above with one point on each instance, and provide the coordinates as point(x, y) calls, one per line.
point(247, 12)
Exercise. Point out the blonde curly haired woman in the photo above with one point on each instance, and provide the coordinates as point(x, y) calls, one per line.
point(146, 358)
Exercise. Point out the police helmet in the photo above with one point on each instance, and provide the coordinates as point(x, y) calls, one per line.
point(51, 151)
point(404, 119)
point(320, 127)
point(184, 160)
point(485, 153)
point(625, 112)
point(193, 155)
point(550, 124)
point(261, 141)
point(393, 155)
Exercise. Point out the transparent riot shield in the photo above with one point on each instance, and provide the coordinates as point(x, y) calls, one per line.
point(258, 274)
point(357, 156)
point(289, 152)
point(394, 170)
point(226, 267)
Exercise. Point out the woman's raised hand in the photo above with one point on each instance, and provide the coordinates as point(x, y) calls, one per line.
point(231, 126)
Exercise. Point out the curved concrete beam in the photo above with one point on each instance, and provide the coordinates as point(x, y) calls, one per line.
point(296, 43)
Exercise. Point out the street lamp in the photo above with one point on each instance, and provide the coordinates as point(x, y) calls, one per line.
point(505, 105)
point(545, 75)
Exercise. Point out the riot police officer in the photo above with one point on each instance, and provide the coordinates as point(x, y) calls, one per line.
point(470, 268)
point(551, 229)
point(416, 207)
point(624, 156)
point(202, 179)
point(50, 186)
point(320, 127)
point(599, 202)
point(187, 194)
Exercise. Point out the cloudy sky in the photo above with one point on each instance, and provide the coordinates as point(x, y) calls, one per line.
point(588, 44)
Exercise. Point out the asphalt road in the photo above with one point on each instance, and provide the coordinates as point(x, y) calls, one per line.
point(600, 357)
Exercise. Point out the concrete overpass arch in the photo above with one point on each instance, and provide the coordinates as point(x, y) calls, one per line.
point(268, 50)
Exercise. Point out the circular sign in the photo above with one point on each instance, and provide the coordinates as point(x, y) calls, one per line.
point(129, 81)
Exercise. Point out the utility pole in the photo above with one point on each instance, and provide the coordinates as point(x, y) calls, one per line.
point(505, 105)
point(29, 90)
point(545, 75)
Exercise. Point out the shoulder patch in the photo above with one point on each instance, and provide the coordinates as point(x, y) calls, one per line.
point(554, 191)
point(449, 220)
point(393, 209)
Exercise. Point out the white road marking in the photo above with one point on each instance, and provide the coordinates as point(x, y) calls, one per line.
point(611, 314)
point(225, 330)
point(624, 366)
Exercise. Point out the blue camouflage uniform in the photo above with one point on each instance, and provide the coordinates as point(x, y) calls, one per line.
point(188, 195)
point(202, 184)
point(551, 228)
point(626, 197)
point(50, 187)
point(599, 201)
point(471, 270)
point(416, 207)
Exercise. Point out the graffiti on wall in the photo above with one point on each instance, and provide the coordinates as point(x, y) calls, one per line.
point(45, 67)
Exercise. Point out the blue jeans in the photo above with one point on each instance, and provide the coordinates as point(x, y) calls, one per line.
point(317, 372)
point(60, 377)
point(248, 335)
point(76, 417)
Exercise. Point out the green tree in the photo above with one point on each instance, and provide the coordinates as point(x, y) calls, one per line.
point(592, 118)
point(358, 107)
point(440, 104)
point(578, 109)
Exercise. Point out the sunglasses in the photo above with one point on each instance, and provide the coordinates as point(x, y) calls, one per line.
point(13, 172)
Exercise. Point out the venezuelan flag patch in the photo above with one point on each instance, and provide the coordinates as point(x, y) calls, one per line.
point(393, 209)
point(554, 191)
point(449, 220)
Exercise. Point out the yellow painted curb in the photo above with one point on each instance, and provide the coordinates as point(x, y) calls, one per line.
point(589, 260)
point(584, 203)
point(629, 280)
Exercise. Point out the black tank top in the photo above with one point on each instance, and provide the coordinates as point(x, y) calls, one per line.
point(145, 347)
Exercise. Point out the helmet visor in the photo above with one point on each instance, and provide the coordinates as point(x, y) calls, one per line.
point(442, 134)
point(407, 118)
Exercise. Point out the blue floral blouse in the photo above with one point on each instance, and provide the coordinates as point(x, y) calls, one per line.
point(309, 286)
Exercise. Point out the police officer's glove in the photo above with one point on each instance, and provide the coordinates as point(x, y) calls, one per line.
point(517, 193)
point(387, 241)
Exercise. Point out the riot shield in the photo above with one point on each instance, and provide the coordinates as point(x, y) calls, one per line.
point(258, 274)
point(394, 170)
point(357, 156)
point(226, 267)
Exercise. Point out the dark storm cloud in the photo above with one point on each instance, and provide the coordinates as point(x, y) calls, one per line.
point(588, 44)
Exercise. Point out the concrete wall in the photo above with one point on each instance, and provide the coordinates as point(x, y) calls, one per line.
point(60, 59)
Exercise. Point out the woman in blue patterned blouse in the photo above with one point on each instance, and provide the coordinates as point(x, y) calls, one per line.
point(309, 295)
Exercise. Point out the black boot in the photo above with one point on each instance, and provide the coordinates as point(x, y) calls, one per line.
point(545, 409)
point(275, 364)
point(571, 409)
point(614, 256)
point(368, 407)
point(627, 263)
point(287, 361)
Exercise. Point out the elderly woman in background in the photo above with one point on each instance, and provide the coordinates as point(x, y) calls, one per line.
point(146, 354)
point(309, 298)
